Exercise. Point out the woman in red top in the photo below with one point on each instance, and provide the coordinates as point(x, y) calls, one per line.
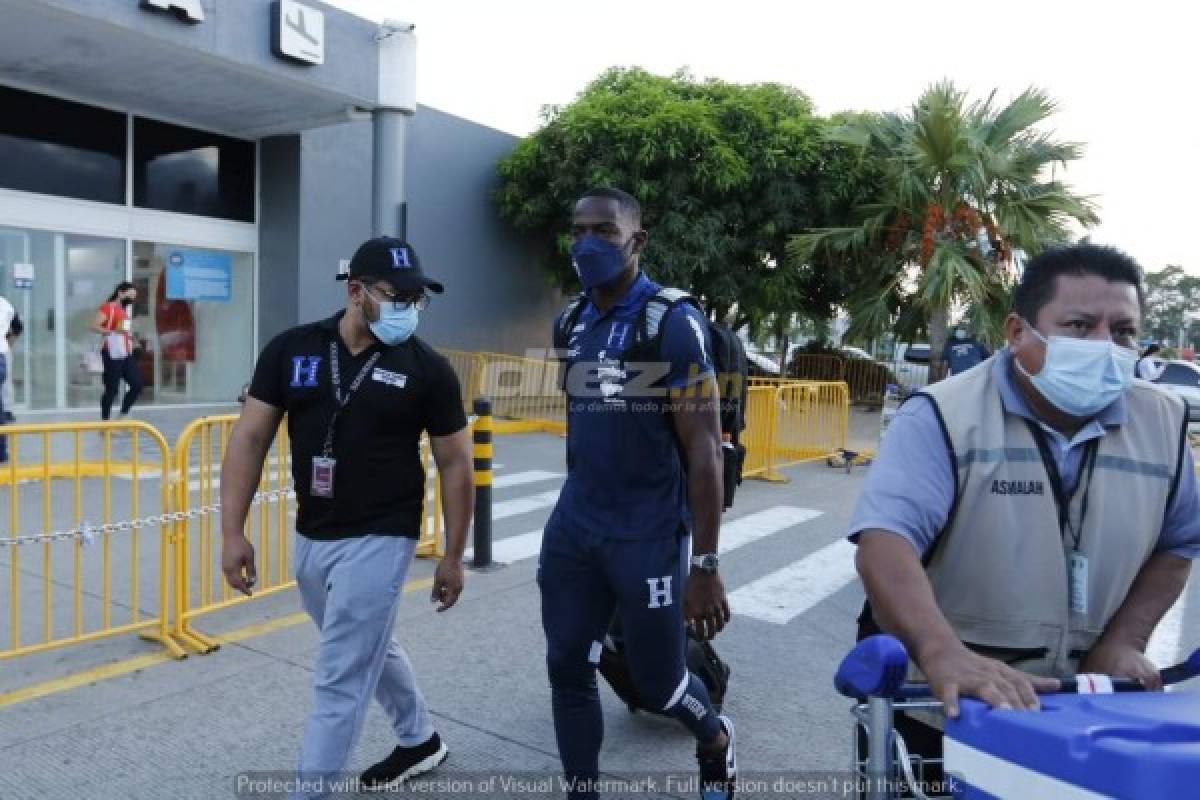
point(113, 323)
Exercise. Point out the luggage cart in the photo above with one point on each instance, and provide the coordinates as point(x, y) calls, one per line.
point(873, 675)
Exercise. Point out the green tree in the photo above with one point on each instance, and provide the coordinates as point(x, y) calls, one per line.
point(965, 193)
point(725, 173)
point(1170, 304)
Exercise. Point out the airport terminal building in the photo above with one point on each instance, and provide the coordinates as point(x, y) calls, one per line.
point(225, 156)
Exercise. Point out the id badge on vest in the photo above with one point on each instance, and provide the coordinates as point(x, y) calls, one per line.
point(322, 477)
point(1077, 582)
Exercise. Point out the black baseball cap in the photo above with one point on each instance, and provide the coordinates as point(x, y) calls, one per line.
point(391, 259)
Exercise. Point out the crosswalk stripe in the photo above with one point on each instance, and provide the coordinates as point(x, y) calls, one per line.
point(739, 533)
point(787, 593)
point(523, 505)
point(522, 478)
point(761, 524)
point(512, 549)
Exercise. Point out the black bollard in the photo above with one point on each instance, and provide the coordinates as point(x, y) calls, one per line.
point(483, 484)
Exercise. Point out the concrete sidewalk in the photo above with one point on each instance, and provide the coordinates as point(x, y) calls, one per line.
point(142, 726)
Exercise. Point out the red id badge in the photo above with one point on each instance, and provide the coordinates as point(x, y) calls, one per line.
point(322, 477)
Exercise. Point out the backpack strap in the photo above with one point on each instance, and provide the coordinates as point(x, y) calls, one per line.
point(566, 321)
point(647, 330)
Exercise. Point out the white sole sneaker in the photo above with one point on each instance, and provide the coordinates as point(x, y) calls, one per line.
point(426, 764)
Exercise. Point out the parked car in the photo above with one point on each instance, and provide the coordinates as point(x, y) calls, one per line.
point(761, 366)
point(911, 364)
point(1183, 378)
point(856, 352)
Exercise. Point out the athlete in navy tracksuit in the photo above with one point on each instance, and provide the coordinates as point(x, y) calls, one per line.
point(618, 536)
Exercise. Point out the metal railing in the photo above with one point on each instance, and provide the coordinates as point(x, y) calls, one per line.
point(200, 586)
point(469, 369)
point(788, 422)
point(76, 500)
point(524, 391)
point(816, 368)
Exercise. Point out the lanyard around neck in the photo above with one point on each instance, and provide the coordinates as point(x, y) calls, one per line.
point(341, 401)
point(1062, 498)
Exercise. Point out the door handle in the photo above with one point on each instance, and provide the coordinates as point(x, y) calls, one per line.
point(50, 319)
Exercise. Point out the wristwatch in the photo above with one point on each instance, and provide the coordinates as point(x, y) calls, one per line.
point(706, 563)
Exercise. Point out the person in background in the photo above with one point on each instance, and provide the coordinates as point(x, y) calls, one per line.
point(114, 323)
point(1150, 366)
point(7, 315)
point(963, 352)
point(8, 396)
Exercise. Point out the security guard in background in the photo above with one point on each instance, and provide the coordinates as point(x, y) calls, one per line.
point(358, 390)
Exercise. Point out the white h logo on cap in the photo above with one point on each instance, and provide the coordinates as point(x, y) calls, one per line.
point(400, 258)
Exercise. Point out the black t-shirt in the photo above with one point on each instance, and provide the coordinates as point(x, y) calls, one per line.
point(379, 481)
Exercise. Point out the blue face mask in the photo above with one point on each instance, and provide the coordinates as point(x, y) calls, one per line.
point(394, 327)
point(598, 262)
point(1082, 377)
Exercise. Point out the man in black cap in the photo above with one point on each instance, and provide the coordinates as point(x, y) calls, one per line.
point(358, 390)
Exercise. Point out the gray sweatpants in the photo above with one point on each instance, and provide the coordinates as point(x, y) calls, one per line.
point(351, 588)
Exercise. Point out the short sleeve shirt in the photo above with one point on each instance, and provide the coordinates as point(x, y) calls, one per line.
point(379, 480)
point(625, 474)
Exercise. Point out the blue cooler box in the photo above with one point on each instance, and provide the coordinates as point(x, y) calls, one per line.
point(1079, 747)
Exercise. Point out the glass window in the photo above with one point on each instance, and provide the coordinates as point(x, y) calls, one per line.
point(1180, 375)
point(53, 146)
point(71, 276)
point(192, 172)
point(198, 312)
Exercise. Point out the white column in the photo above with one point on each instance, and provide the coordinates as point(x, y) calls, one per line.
point(396, 103)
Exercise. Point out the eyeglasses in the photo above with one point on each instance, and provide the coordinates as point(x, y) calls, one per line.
point(400, 301)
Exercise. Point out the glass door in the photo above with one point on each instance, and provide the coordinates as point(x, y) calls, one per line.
point(15, 258)
point(198, 331)
point(92, 268)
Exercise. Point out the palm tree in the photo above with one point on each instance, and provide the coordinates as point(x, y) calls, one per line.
point(968, 189)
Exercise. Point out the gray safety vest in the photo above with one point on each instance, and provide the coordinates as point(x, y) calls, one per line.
point(999, 568)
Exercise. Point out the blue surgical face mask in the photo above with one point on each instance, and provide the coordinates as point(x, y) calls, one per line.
point(394, 327)
point(1082, 377)
point(598, 262)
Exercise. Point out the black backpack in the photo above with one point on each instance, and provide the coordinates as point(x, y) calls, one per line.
point(728, 356)
point(702, 661)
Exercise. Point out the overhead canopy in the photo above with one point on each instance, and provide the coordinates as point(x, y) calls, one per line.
point(220, 74)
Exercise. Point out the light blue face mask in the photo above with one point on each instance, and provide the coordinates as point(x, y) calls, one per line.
point(394, 327)
point(1082, 377)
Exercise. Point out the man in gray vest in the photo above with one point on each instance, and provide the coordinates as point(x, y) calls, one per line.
point(1036, 516)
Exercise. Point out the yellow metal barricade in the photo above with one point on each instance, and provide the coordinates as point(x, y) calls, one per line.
point(200, 586)
point(525, 393)
point(814, 418)
point(469, 369)
point(88, 539)
point(759, 435)
point(816, 368)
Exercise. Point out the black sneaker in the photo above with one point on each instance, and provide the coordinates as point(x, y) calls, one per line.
point(404, 763)
point(718, 773)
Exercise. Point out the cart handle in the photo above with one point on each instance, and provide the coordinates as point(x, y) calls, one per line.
point(877, 666)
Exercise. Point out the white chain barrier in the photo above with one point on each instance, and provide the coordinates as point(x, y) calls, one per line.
point(88, 533)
